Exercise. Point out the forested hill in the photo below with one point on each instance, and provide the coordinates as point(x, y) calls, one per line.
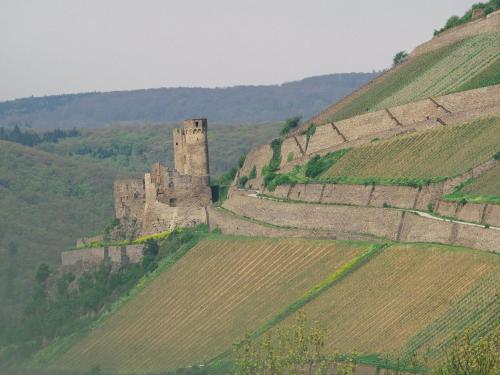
point(224, 105)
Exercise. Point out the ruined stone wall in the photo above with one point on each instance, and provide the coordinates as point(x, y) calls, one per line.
point(448, 37)
point(191, 148)
point(129, 195)
point(117, 255)
point(91, 256)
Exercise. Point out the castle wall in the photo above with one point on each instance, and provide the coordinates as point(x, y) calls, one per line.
point(95, 256)
point(86, 241)
point(129, 196)
point(91, 256)
point(448, 37)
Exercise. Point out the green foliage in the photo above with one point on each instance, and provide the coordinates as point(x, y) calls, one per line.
point(241, 161)
point(309, 133)
point(469, 356)
point(242, 181)
point(305, 173)
point(253, 173)
point(42, 273)
point(290, 157)
point(268, 171)
point(31, 138)
point(298, 349)
point(497, 156)
point(79, 301)
point(454, 21)
point(400, 57)
point(290, 124)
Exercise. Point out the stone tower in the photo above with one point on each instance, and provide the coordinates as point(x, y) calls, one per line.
point(191, 148)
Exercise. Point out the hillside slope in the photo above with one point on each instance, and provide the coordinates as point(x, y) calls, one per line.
point(397, 302)
point(221, 289)
point(466, 64)
point(46, 203)
point(225, 105)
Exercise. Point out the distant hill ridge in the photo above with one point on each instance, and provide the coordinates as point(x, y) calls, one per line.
point(223, 105)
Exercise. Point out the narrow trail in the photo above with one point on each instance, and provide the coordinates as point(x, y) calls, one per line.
point(255, 194)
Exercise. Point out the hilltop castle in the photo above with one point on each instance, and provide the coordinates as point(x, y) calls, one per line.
point(167, 198)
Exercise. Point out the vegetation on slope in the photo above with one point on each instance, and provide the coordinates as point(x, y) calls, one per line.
point(453, 21)
point(422, 157)
point(66, 302)
point(135, 148)
point(400, 303)
point(46, 203)
point(482, 189)
point(488, 77)
point(222, 288)
point(467, 64)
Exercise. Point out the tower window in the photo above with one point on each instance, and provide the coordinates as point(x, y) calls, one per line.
point(172, 202)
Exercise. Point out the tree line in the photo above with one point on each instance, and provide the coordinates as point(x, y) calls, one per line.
point(31, 138)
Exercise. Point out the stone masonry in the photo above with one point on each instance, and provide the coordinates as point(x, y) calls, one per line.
point(168, 198)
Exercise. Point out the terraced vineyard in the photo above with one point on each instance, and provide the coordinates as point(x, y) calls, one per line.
point(222, 288)
point(463, 63)
point(485, 188)
point(449, 69)
point(433, 154)
point(401, 301)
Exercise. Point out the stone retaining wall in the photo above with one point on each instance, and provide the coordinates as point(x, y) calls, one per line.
point(229, 223)
point(348, 220)
point(355, 131)
point(448, 37)
point(363, 220)
point(95, 256)
point(476, 212)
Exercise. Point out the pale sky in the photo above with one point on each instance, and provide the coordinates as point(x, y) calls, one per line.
point(68, 46)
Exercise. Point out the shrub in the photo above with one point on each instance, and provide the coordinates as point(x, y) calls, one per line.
point(241, 161)
point(290, 157)
point(290, 124)
point(400, 57)
point(242, 181)
point(497, 156)
point(42, 273)
point(253, 173)
point(309, 133)
point(430, 207)
point(469, 356)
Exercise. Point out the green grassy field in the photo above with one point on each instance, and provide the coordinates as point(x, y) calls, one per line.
point(395, 302)
point(430, 155)
point(468, 64)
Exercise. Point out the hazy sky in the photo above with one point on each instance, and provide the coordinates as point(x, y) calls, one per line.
point(67, 46)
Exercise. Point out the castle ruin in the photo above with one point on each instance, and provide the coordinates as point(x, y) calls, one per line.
point(168, 198)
